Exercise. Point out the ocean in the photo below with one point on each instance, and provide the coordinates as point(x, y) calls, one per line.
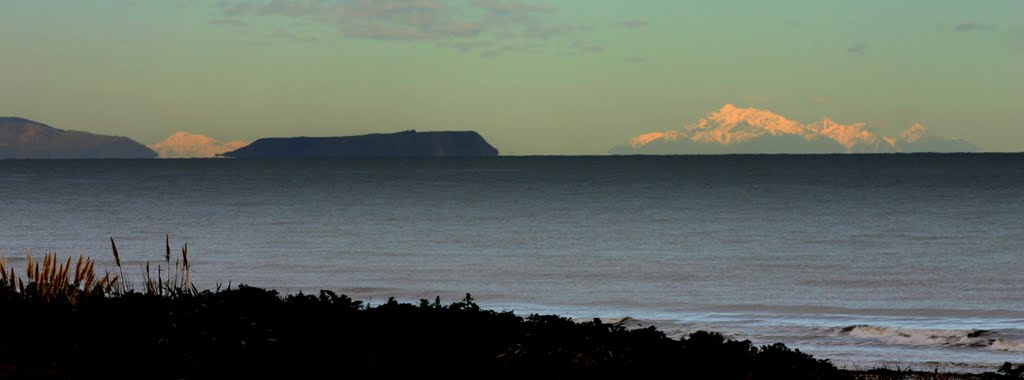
point(867, 260)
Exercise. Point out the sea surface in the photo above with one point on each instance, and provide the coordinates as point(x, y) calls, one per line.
point(867, 260)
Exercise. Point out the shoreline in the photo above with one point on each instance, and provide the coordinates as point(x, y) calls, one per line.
point(878, 346)
point(169, 289)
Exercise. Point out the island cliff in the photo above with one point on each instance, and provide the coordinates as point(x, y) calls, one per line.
point(23, 138)
point(401, 144)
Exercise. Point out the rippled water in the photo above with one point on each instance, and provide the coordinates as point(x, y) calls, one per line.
point(867, 260)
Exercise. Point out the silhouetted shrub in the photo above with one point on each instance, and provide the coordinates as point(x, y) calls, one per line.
point(248, 332)
point(65, 324)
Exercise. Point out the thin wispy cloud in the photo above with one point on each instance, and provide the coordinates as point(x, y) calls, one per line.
point(971, 26)
point(387, 32)
point(512, 7)
point(547, 31)
point(227, 22)
point(467, 46)
point(524, 47)
point(438, 21)
point(527, 47)
point(581, 46)
point(632, 24)
point(857, 49)
point(232, 10)
point(466, 29)
point(285, 34)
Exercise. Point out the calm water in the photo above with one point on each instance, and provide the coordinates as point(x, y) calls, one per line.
point(910, 260)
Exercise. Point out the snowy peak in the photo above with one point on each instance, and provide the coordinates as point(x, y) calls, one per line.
point(188, 145)
point(734, 129)
point(647, 138)
point(731, 117)
point(854, 137)
point(917, 139)
point(914, 133)
point(733, 125)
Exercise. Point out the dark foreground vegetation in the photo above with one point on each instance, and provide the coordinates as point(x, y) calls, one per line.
point(66, 322)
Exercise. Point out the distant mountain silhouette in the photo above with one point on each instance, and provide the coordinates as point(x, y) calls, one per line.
point(402, 144)
point(750, 130)
point(23, 138)
point(188, 145)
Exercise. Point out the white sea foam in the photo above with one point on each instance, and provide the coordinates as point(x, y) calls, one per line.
point(968, 338)
point(1007, 345)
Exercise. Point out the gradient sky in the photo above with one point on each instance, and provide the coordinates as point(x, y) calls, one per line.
point(534, 77)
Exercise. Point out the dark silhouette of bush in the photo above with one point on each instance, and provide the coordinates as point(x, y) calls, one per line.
point(1008, 371)
point(68, 322)
point(71, 323)
point(247, 332)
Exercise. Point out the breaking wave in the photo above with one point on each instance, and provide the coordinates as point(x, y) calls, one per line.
point(985, 339)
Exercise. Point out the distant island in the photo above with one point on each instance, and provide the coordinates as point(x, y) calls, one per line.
point(23, 138)
point(189, 145)
point(401, 144)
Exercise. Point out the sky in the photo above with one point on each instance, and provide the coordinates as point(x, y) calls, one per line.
point(533, 77)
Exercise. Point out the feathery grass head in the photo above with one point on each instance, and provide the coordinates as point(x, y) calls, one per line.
point(177, 281)
point(51, 280)
point(117, 258)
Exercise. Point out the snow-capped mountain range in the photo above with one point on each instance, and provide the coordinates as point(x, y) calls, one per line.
point(188, 145)
point(733, 129)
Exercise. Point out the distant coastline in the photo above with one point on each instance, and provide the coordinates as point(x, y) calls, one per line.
point(23, 138)
point(26, 139)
